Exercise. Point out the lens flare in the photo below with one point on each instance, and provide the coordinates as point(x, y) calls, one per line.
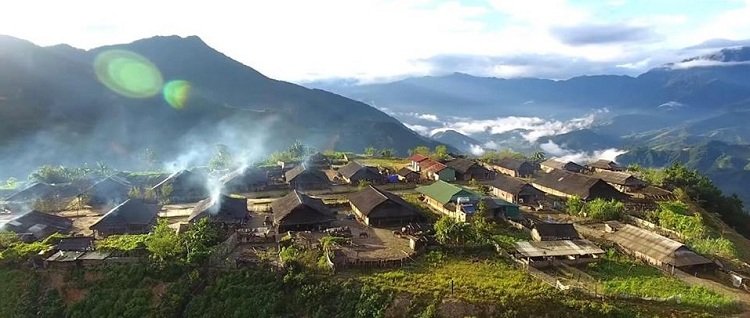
point(128, 73)
point(177, 93)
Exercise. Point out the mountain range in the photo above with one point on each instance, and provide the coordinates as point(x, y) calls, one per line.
point(55, 107)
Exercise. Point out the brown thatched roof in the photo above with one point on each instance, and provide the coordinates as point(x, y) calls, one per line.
point(511, 163)
point(39, 224)
point(619, 178)
point(508, 184)
point(284, 206)
point(576, 184)
point(562, 165)
point(303, 169)
point(353, 167)
point(133, 211)
point(227, 209)
point(371, 197)
point(462, 165)
point(605, 164)
point(656, 246)
point(557, 230)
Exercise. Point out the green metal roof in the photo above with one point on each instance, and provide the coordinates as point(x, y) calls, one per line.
point(444, 192)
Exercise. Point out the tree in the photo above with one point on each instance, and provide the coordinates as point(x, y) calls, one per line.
point(420, 150)
point(387, 153)
point(164, 244)
point(198, 241)
point(538, 157)
point(50, 174)
point(11, 183)
point(604, 210)
point(451, 232)
point(363, 184)
point(441, 152)
point(574, 205)
point(370, 151)
point(222, 160)
point(135, 193)
point(298, 149)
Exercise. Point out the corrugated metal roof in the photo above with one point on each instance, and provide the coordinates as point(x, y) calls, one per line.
point(557, 248)
point(444, 192)
point(656, 246)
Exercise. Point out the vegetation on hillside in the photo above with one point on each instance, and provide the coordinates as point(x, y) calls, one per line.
point(597, 209)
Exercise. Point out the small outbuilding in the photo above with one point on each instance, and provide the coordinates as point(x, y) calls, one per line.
point(376, 207)
point(299, 212)
point(540, 254)
point(407, 175)
point(554, 232)
point(554, 164)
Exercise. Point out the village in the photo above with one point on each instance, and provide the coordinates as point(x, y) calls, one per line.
point(362, 212)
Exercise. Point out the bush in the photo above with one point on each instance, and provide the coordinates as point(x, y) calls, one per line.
point(574, 205)
point(603, 210)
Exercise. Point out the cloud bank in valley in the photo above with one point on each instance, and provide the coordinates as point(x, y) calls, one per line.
point(556, 151)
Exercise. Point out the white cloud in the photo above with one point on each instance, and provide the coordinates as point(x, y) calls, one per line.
point(563, 154)
point(429, 117)
point(422, 130)
point(535, 127)
point(476, 150)
point(704, 63)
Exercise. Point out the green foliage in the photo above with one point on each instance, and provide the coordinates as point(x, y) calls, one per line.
point(441, 152)
point(165, 194)
point(451, 232)
point(675, 215)
point(19, 252)
point(122, 243)
point(59, 174)
point(386, 152)
point(420, 150)
point(370, 151)
point(497, 155)
point(538, 157)
point(222, 159)
point(123, 291)
point(198, 240)
point(604, 210)
point(10, 184)
point(620, 276)
point(164, 244)
point(574, 205)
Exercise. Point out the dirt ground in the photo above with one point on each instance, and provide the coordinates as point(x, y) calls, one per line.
point(379, 243)
point(82, 220)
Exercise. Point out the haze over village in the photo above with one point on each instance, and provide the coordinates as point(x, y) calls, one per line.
point(375, 158)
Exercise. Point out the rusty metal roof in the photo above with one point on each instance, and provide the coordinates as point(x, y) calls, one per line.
point(557, 248)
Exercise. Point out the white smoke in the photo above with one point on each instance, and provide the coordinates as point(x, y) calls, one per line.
point(563, 154)
point(476, 150)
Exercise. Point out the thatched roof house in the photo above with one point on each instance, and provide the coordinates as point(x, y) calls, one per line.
point(568, 184)
point(303, 177)
point(37, 225)
point(228, 210)
point(299, 212)
point(656, 249)
point(605, 165)
point(187, 186)
point(466, 169)
point(514, 167)
point(353, 172)
point(623, 181)
point(133, 216)
point(554, 164)
point(407, 175)
point(60, 194)
point(110, 190)
point(554, 232)
point(376, 207)
point(515, 190)
point(245, 180)
point(318, 160)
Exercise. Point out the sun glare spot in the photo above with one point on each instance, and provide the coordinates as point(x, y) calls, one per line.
point(177, 93)
point(128, 74)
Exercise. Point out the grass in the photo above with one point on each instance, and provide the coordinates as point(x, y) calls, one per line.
point(621, 276)
point(14, 284)
point(392, 163)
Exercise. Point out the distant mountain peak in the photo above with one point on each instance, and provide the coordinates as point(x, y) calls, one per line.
point(737, 54)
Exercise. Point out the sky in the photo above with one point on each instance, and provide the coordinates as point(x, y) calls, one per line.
point(381, 40)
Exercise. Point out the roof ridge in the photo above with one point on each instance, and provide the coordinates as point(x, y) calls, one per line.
point(379, 192)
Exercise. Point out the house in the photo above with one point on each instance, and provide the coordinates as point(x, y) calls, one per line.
point(605, 165)
point(554, 232)
point(415, 160)
point(111, 190)
point(226, 210)
point(54, 197)
point(622, 181)
point(405, 174)
point(35, 225)
point(568, 184)
point(318, 161)
point(376, 207)
point(76, 243)
point(466, 169)
point(299, 212)
point(657, 250)
point(540, 254)
point(353, 172)
point(248, 179)
point(514, 167)
point(515, 191)
point(133, 216)
point(461, 203)
point(434, 170)
point(186, 186)
point(303, 177)
point(553, 164)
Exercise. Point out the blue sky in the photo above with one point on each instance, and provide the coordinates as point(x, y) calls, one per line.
point(375, 40)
